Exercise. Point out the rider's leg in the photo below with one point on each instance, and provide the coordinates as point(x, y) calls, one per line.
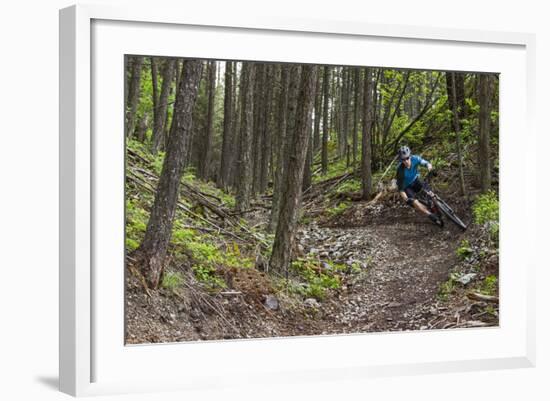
point(421, 208)
point(410, 195)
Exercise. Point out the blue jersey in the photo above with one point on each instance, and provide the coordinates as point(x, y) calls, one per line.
point(406, 176)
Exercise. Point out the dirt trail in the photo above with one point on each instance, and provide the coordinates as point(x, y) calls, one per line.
point(405, 259)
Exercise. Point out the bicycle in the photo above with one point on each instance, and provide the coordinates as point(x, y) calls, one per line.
point(435, 204)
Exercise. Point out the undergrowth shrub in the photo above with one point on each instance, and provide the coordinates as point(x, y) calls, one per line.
point(136, 223)
point(489, 285)
point(317, 282)
point(353, 185)
point(335, 168)
point(464, 250)
point(486, 213)
point(486, 208)
point(447, 287)
point(338, 209)
point(207, 258)
point(172, 280)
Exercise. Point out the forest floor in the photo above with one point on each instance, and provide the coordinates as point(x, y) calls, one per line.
point(397, 271)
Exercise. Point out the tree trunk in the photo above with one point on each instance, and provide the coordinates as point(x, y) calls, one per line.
point(357, 77)
point(339, 112)
point(377, 157)
point(366, 153)
point(318, 114)
point(333, 123)
point(280, 147)
point(485, 95)
point(324, 147)
point(244, 183)
point(456, 124)
point(235, 147)
point(134, 88)
point(168, 126)
point(460, 93)
point(257, 132)
point(154, 83)
point(227, 142)
point(152, 251)
point(141, 128)
point(292, 103)
point(206, 143)
point(266, 129)
point(309, 155)
point(346, 72)
point(284, 237)
point(161, 109)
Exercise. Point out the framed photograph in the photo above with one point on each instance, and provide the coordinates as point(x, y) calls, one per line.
point(265, 198)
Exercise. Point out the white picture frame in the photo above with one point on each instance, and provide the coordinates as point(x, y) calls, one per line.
point(93, 357)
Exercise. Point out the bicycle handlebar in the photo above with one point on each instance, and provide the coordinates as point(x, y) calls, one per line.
point(431, 173)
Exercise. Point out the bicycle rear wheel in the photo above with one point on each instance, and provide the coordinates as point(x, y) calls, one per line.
point(449, 212)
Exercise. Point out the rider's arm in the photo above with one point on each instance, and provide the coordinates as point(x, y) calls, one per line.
point(425, 163)
point(403, 195)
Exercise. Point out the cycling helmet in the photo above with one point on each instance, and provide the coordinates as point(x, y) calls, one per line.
point(404, 152)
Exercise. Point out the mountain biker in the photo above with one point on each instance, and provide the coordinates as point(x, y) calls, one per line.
point(408, 181)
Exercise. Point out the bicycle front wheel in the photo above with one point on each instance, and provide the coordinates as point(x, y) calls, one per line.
point(449, 212)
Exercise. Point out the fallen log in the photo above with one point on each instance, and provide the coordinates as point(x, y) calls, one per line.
point(474, 323)
point(352, 196)
point(225, 215)
point(481, 297)
point(320, 187)
point(180, 205)
point(229, 293)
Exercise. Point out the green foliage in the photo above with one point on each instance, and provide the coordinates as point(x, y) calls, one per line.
point(138, 147)
point(145, 104)
point(232, 257)
point(136, 224)
point(447, 288)
point(189, 177)
point(353, 185)
point(227, 199)
point(486, 212)
point(486, 208)
point(490, 309)
point(131, 244)
point(172, 280)
point(489, 285)
point(206, 256)
point(335, 169)
point(317, 282)
point(438, 162)
point(204, 252)
point(183, 236)
point(338, 209)
point(208, 275)
point(464, 250)
point(468, 134)
point(158, 162)
point(355, 268)
point(471, 104)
